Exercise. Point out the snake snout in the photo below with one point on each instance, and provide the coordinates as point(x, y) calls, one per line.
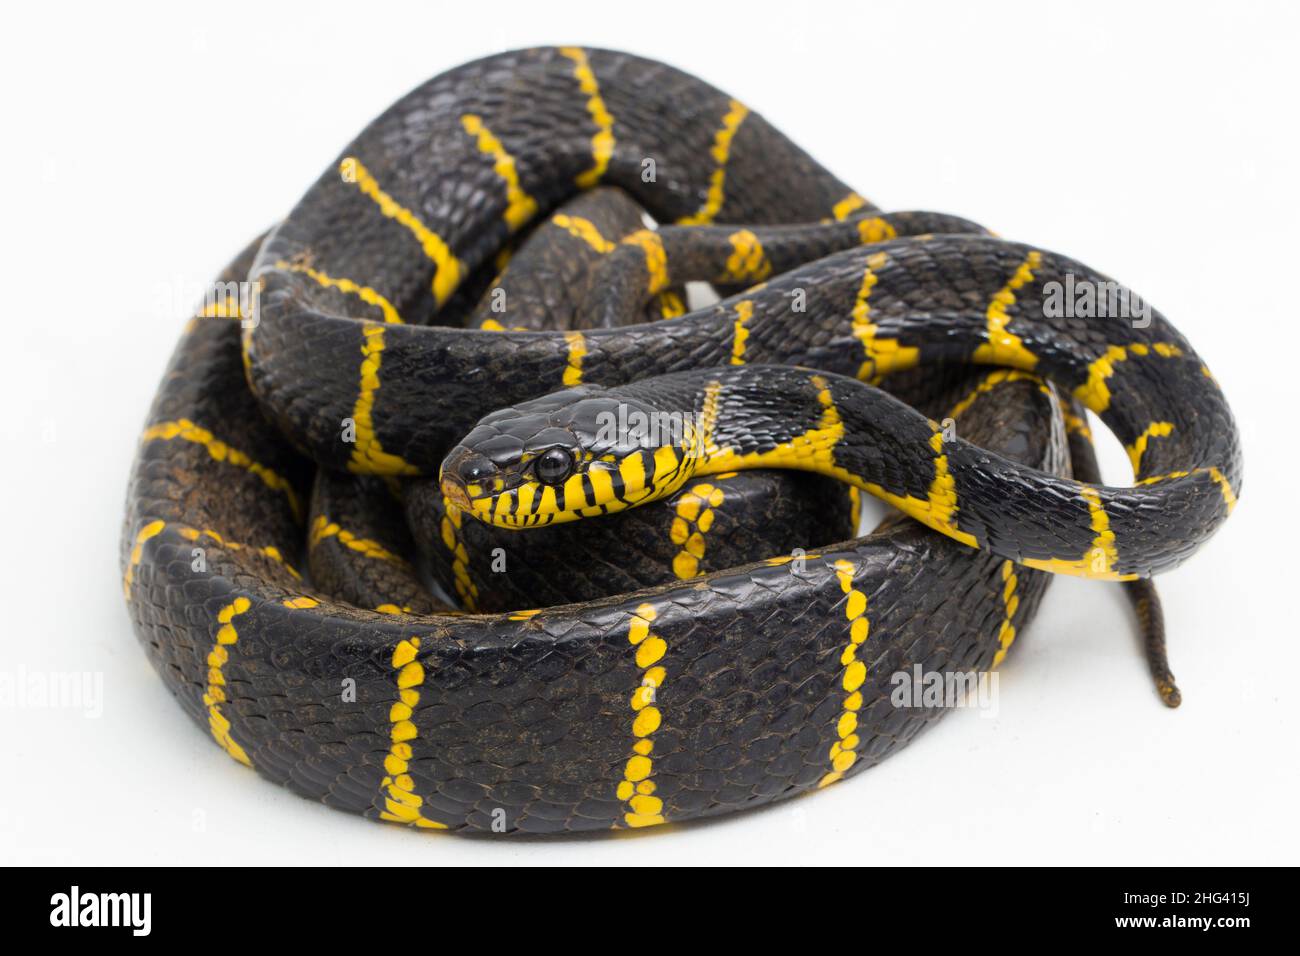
point(465, 475)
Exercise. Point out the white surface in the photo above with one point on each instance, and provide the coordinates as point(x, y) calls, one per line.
point(142, 150)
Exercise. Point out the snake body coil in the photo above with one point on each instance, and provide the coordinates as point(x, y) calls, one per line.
point(730, 657)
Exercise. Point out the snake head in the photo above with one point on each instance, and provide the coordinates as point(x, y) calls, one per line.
point(578, 453)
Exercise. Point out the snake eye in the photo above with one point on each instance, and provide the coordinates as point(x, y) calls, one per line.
point(554, 466)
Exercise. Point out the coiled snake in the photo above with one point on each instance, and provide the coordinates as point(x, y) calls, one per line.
point(711, 650)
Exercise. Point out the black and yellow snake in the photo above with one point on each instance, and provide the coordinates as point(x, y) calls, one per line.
point(473, 281)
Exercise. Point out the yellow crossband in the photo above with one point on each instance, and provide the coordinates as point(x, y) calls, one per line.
point(744, 312)
point(368, 455)
point(1139, 446)
point(362, 292)
point(814, 450)
point(810, 451)
point(268, 551)
point(520, 207)
point(585, 230)
point(942, 497)
point(1003, 347)
point(847, 206)
point(1099, 560)
point(882, 355)
point(227, 308)
point(322, 529)
point(150, 530)
point(185, 430)
point(214, 695)
point(1095, 393)
point(602, 143)
point(401, 803)
point(577, 349)
point(656, 258)
point(450, 269)
point(721, 153)
point(302, 603)
point(747, 262)
point(875, 229)
point(842, 753)
point(671, 305)
point(991, 381)
point(1010, 603)
point(637, 787)
point(1074, 424)
point(452, 539)
point(1229, 496)
point(692, 521)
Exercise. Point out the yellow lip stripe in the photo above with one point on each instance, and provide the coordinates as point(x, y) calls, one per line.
point(186, 430)
point(577, 349)
point(368, 455)
point(842, 753)
point(744, 312)
point(882, 355)
point(215, 693)
point(637, 788)
point(721, 153)
point(1010, 603)
point(450, 269)
point(150, 530)
point(323, 528)
point(520, 206)
point(602, 144)
point(694, 518)
point(748, 262)
point(1095, 393)
point(585, 230)
point(451, 538)
point(362, 292)
point(1139, 447)
point(1003, 347)
point(402, 804)
point(875, 229)
point(269, 551)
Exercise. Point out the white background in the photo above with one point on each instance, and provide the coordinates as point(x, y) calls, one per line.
point(1157, 144)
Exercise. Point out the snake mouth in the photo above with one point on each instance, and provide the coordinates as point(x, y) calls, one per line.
point(455, 493)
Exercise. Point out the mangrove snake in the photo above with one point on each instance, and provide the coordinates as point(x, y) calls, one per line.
point(706, 652)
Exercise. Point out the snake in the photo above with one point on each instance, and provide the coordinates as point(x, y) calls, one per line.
point(457, 508)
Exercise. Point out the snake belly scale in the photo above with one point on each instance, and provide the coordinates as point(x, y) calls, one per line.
point(435, 323)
